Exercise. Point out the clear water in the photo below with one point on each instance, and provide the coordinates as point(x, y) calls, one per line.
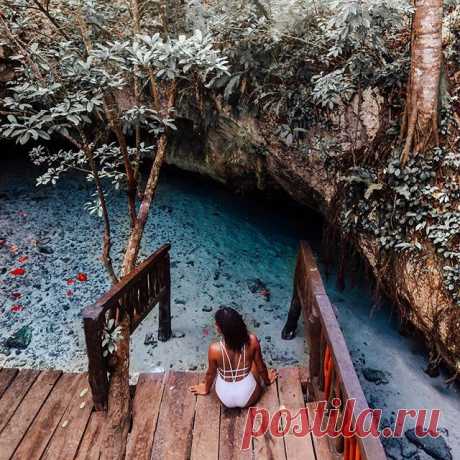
point(221, 244)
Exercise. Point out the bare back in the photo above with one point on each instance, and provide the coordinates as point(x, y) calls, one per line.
point(243, 360)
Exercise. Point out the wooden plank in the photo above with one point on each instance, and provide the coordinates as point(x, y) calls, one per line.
point(24, 415)
point(232, 424)
point(322, 449)
point(146, 409)
point(269, 447)
point(6, 377)
point(90, 446)
point(205, 444)
point(173, 437)
point(42, 428)
point(15, 393)
point(66, 439)
point(291, 398)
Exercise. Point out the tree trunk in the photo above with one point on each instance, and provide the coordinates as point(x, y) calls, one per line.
point(135, 238)
point(420, 124)
point(118, 418)
point(119, 404)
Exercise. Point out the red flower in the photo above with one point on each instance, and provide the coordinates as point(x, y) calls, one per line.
point(16, 308)
point(16, 295)
point(82, 277)
point(23, 259)
point(69, 293)
point(70, 281)
point(17, 271)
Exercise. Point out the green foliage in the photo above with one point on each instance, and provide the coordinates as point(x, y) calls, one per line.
point(298, 69)
point(404, 207)
point(80, 75)
point(112, 335)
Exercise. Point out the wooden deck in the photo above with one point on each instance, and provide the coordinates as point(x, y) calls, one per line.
point(50, 415)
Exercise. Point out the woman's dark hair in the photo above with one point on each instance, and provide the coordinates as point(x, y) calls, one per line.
point(233, 328)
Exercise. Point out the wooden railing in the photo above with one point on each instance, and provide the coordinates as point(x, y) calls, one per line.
point(331, 369)
point(135, 295)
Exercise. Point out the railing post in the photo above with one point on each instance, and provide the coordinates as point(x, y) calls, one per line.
point(314, 338)
point(289, 329)
point(97, 368)
point(164, 313)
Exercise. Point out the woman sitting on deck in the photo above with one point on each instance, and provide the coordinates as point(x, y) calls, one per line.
point(235, 363)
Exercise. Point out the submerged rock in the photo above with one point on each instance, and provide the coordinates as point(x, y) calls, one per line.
point(375, 376)
point(45, 250)
point(21, 339)
point(150, 339)
point(436, 447)
point(257, 286)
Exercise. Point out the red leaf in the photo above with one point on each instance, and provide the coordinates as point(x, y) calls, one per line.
point(82, 277)
point(70, 281)
point(265, 293)
point(23, 259)
point(16, 295)
point(17, 271)
point(16, 308)
point(69, 293)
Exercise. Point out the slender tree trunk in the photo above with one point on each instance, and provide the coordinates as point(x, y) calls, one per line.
point(107, 241)
point(420, 125)
point(135, 238)
point(119, 404)
point(111, 112)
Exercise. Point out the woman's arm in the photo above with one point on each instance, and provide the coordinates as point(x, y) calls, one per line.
point(203, 389)
point(260, 363)
point(267, 377)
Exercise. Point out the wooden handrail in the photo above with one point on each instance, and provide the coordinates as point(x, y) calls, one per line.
point(331, 368)
point(135, 295)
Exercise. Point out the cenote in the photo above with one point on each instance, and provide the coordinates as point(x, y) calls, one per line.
point(226, 250)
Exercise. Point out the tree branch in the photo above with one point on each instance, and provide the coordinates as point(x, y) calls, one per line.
point(51, 19)
point(13, 38)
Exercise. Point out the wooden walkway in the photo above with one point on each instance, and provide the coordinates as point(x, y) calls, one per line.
point(50, 415)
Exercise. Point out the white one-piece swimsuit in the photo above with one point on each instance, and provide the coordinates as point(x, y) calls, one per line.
point(234, 393)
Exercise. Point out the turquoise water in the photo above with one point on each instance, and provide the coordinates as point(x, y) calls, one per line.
point(224, 248)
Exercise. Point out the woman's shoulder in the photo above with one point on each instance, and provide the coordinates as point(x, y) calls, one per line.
point(254, 341)
point(214, 347)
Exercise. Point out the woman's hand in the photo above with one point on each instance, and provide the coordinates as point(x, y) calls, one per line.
point(199, 390)
point(272, 376)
